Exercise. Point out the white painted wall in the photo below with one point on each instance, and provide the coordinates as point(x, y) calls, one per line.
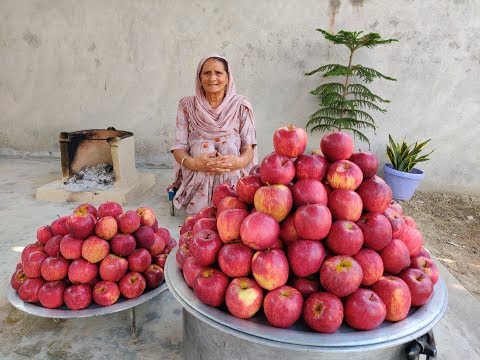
point(72, 65)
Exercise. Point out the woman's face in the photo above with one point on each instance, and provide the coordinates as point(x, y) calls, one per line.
point(213, 77)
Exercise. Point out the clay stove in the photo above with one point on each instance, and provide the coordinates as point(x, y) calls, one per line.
point(98, 165)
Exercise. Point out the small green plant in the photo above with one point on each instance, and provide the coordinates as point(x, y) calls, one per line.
point(403, 156)
point(343, 104)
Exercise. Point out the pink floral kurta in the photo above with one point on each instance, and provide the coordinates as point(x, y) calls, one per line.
point(194, 189)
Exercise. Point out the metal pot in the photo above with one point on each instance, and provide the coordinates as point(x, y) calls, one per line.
point(212, 333)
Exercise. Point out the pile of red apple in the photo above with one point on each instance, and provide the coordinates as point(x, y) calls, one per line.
point(308, 236)
point(93, 255)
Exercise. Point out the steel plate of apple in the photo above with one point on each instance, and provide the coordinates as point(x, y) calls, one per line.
point(308, 236)
point(93, 256)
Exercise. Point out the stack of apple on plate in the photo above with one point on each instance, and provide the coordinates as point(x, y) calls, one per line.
point(308, 237)
point(93, 255)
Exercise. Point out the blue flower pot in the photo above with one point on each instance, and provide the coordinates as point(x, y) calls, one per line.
point(403, 184)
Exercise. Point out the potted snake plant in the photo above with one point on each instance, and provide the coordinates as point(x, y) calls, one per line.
point(401, 174)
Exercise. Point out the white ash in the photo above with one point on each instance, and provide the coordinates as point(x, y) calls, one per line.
point(97, 177)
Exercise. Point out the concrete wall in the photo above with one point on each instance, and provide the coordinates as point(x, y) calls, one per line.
point(71, 65)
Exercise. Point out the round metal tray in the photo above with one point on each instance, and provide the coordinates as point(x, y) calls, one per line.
point(419, 321)
point(93, 310)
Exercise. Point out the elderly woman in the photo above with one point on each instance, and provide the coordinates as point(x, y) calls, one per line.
point(215, 136)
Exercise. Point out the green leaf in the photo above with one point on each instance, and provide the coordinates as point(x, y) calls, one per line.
point(405, 156)
point(328, 88)
point(368, 74)
point(324, 68)
point(365, 104)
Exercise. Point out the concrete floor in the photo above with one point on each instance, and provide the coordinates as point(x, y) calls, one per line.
point(159, 321)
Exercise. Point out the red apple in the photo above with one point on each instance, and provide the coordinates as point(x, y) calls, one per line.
point(158, 245)
point(188, 224)
point(290, 141)
point(396, 296)
point(106, 227)
point(110, 208)
point(82, 271)
point(344, 238)
point(396, 220)
point(190, 270)
point(32, 264)
point(222, 191)
point(424, 252)
point(28, 291)
point(367, 162)
point(341, 275)
point(43, 234)
point(128, 222)
point(71, 247)
point(147, 216)
point(337, 146)
point(54, 268)
point(243, 297)
point(364, 310)
point(255, 170)
point(154, 225)
point(145, 236)
point(139, 260)
point(270, 268)
point(95, 249)
point(343, 174)
point(376, 195)
point(183, 253)
point(345, 205)
point(209, 211)
point(78, 297)
point(288, 234)
point(310, 167)
point(283, 306)
point(305, 257)
point(412, 237)
point(52, 246)
point(247, 186)
point(376, 229)
point(309, 191)
point(210, 286)
point(277, 169)
point(397, 207)
point(235, 259)
point(153, 276)
point(86, 209)
point(17, 279)
point(50, 294)
point(312, 221)
point(231, 202)
point(410, 222)
point(395, 257)
point(259, 231)
point(80, 225)
point(205, 246)
point(372, 265)
point(160, 260)
point(323, 312)
point(112, 268)
point(132, 285)
point(428, 266)
point(228, 224)
point(306, 285)
point(27, 250)
point(123, 244)
point(59, 226)
point(105, 293)
point(209, 223)
point(420, 285)
point(274, 200)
